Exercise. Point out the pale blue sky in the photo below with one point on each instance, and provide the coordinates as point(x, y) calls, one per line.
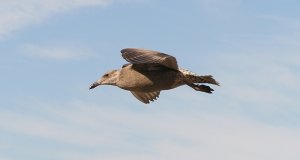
point(52, 50)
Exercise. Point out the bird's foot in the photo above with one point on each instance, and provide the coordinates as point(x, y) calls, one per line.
point(202, 88)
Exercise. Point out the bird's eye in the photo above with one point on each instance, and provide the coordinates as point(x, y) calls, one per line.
point(105, 75)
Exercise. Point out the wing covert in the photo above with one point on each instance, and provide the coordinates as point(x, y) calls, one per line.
point(140, 56)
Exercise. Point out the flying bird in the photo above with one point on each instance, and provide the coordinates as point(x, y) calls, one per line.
point(149, 72)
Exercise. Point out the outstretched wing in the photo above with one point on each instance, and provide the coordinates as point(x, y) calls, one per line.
point(143, 56)
point(146, 97)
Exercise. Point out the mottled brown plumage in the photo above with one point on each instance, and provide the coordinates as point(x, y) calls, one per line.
point(149, 72)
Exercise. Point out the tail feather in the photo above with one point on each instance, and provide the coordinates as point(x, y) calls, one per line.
point(194, 78)
point(205, 79)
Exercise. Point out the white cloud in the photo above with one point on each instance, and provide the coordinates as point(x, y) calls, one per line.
point(16, 14)
point(264, 81)
point(55, 52)
point(152, 133)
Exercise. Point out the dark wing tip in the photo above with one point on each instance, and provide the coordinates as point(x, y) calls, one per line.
point(124, 50)
point(127, 51)
point(146, 97)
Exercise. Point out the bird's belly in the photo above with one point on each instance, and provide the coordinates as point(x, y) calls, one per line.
point(148, 81)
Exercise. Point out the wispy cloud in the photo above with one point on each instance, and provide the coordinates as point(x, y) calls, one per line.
point(55, 52)
point(118, 133)
point(17, 14)
point(262, 80)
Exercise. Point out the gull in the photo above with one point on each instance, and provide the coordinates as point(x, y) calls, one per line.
point(149, 72)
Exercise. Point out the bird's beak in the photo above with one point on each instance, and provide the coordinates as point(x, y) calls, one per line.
point(95, 84)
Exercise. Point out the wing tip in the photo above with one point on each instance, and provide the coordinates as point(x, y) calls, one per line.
point(146, 97)
point(124, 50)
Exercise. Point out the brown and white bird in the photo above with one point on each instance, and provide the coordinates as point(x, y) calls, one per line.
point(150, 72)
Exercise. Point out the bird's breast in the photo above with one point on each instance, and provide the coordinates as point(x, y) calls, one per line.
point(147, 81)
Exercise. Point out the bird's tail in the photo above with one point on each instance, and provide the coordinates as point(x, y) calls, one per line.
point(194, 78)
point(205, 79)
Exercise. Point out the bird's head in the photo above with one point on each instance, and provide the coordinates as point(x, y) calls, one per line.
point(109, 78)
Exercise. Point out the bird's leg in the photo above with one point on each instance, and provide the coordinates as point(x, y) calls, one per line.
point(202, 88)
